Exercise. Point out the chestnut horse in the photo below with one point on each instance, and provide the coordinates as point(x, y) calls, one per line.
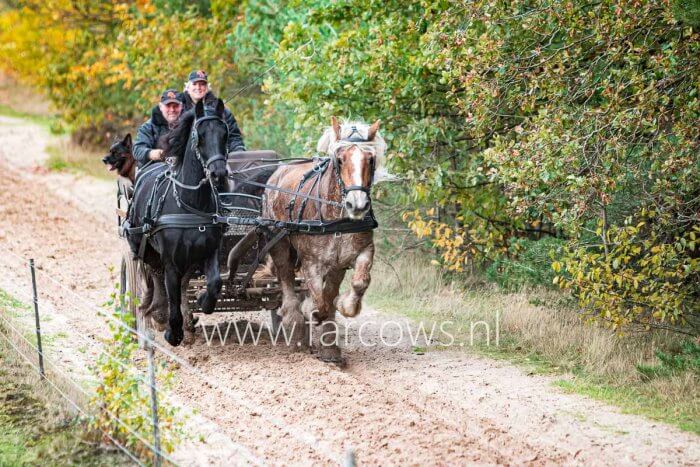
point(356, 150)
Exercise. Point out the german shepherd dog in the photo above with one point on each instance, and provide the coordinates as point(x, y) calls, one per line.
point(121, 159)
point(154, 302)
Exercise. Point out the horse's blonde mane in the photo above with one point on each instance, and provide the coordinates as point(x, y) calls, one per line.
point(329, 144)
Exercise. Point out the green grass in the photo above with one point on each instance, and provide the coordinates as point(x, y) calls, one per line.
point(638, 401)
point(10, 303)
point(35, 426)
point(33, 433)
point(69, 157)
point(47, 121)
point(541, 331)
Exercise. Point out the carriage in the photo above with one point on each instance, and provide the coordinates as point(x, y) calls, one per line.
point(312, 214)
point(243, 293)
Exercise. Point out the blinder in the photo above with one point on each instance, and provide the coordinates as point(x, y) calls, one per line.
point(354, 136)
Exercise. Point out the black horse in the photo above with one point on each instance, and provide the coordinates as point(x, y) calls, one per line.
point(174, 206)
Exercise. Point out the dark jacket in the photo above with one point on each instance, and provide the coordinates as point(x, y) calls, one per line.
point(235, 139)
point(148, 135)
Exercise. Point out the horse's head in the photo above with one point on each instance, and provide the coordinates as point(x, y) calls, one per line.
point(210, 134)
point(356, 154)
point(120, 157)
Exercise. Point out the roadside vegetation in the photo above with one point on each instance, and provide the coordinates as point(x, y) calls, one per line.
point(38, 424)
point(655, 374)
point(35, 425)
point(69, 156)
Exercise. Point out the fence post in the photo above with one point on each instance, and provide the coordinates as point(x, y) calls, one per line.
point(154, 398)
point(36, 317)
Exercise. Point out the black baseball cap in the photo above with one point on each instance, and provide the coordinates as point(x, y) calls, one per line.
point(198, 75)
point(169, 96)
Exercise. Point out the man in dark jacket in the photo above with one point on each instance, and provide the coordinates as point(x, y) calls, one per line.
point(196, 89)
point(163, 117)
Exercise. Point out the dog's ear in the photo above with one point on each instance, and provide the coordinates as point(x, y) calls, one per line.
point(127, 141)
point(219, 108)
point(199, 109)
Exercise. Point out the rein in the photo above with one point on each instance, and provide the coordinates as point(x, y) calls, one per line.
point(155, 222)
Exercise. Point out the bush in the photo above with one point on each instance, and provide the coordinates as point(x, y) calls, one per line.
point(686, 359)
point(531, 266)
point(122, 398)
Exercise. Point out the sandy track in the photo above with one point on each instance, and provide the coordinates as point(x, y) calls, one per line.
point(391, 405)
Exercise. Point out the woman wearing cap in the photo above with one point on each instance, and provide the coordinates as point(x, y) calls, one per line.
point(163, 117)
point(196, 89)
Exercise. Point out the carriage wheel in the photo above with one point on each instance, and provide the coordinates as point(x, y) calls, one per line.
point(130, 289)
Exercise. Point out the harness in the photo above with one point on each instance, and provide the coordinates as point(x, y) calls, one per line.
point(275, 230)
point(153, 221)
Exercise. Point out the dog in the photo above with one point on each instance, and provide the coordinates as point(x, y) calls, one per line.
point(121, 159)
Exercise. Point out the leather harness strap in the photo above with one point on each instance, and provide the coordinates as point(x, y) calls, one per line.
point(155, 221)
point(261, 254)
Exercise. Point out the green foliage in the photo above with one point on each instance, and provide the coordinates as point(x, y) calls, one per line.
point(122, 399)
point(645, 275)
point(687, 359)
point(517, 120)
point(529, 268)
point(687, 11)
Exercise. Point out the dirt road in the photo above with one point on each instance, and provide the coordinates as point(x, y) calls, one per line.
point(390, 404)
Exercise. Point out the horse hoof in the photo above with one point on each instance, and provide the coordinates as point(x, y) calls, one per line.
point(159, 315)
point(160, 327)
point(339, 361)
point(347, 306)
point(316, 318)
point(205, 303)
point(174, 338)
point(189, 338)
point(331, 354)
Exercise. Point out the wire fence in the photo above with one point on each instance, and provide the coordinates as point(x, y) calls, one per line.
point(68, 399)
point(78, 302)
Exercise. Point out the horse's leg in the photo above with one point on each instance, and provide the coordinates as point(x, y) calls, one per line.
point(208, 299)
point(173, 280)
point(323, 286)
point(189, 321)
point(146, 286)
point(158, 308)
point(329, 351)
point(292, 319)
point(349, 304)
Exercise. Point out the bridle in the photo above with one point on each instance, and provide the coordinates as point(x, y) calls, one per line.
point(355, 139)
point(194, 138)
point(194, 141)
